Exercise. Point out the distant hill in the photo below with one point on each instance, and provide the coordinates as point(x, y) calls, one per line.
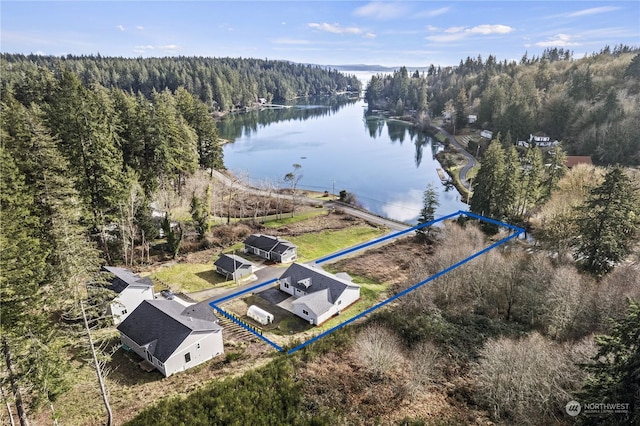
point(372, 68)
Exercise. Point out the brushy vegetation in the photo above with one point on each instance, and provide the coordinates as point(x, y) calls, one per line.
point(265, 396)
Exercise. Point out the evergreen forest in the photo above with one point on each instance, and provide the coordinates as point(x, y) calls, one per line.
point(590, 104)
point(92, 147)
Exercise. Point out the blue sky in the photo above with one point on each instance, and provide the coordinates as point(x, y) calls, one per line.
point(390, 33)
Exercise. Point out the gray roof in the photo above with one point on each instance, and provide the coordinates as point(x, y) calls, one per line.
point(231, 262)
point(320, 280)
point(267, 243)
point(123, 278)
point(163, 325)
point(283, 246)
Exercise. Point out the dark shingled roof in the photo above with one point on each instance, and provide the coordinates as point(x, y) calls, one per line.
point(283, 246)
point(320, 280)
point(164, 324)
point(123, 278)
point(231, 262)
point(267, 242)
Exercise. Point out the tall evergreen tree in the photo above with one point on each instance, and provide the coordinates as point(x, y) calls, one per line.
point(511, 183)
point(531, 180)
point(556, 169)
point(487, 196)
point(614, 375)
point(608, 223)
point(84, 121)
point(427, 214)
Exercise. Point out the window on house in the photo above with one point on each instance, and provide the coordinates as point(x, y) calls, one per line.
point(305, 312)
point(339, 302)
point(187, 357)
point(124, 311)
point(198, 345)
point(286, 285)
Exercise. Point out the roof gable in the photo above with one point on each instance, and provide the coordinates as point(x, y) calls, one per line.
point(267, 242)
point(122, 278)
point(297, 275)
point(317, 302)
point(231, 262)
point(162, 325)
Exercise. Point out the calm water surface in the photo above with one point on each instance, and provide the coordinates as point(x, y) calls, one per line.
point(385, 163)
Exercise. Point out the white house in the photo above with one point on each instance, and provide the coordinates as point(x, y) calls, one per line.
point(487, 134)
point(171, 337)
point(271, 248)
point(131, 290)
point(542, 141)
point(319, 295)
point(472, 118)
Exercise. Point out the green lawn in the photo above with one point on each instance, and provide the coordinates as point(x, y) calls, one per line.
point(191, 277)
point(317, 244)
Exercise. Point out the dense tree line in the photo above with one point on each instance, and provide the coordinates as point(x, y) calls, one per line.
point(591, 104)
point(397, 92)
point(223, 84)
point(512, 182)
point(83, 156)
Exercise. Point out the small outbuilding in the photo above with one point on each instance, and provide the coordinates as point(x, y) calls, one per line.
point(233, 267)
point(260, 315)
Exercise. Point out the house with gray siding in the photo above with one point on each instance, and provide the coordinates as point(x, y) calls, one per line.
point(271, 248)
point(233, 267)
point(172, 337)
point(130, 291)
point(318, 295)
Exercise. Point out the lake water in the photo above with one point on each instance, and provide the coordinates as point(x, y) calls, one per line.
point(385, 163)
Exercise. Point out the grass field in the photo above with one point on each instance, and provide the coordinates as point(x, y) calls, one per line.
point(314, 245)
point(191, 277)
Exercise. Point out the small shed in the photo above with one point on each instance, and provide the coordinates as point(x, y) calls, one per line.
point(259, 315)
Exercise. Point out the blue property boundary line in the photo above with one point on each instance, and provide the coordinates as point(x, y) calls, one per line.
point(517, 232)
point(243, 325)
point(387, 237)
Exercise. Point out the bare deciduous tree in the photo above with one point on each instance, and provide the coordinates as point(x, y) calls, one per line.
point(379, 350)
point(426, 367)
point(526, 381)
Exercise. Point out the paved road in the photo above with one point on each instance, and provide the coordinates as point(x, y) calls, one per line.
point(471, 161)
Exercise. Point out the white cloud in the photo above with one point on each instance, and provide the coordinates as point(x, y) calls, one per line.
point(335, 28)
point(139, 27)
point(120, 27)
point(369, 35)
point(491, 29)
point(380, 10)
point(432, 28)
point(454, 30)
point(458, 33)
point(559, 40)
point(593, 11)
point(435, 12)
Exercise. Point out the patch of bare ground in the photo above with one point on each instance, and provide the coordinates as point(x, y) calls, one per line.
point(386, 264)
